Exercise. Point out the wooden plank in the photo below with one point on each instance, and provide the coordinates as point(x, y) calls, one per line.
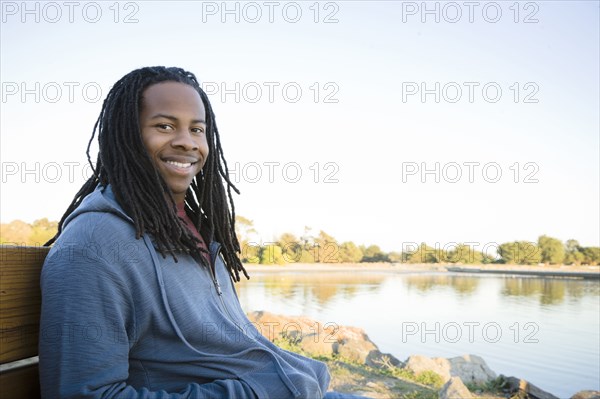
point(20, 383)
point(20, 301)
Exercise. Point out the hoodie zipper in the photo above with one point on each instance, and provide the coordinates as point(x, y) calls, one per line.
point(212, 268)
point(218, 287)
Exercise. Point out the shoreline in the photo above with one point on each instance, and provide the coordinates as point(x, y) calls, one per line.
point(405, 268)
point(357, 366)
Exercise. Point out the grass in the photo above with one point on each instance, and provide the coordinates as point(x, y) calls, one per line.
point(496, 387)
point(387, 381)
point(428, 378)
point(390, 381)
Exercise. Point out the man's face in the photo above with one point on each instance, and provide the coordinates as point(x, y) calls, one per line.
point(173, 123)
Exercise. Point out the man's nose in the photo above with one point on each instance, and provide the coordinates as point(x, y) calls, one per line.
point(183, 139)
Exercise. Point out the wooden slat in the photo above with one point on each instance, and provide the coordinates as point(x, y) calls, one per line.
point(21, 383)
point(20, 301)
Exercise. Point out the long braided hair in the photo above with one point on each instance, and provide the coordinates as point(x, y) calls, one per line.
point(124, 163)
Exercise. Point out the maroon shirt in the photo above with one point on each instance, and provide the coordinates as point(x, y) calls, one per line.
point(190, 225)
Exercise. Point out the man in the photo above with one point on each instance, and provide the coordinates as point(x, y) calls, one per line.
point(138, 298)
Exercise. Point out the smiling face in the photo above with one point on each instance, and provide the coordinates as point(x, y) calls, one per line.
point(173, 123)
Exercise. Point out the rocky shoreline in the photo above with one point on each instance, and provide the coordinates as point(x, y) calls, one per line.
point(357, 366)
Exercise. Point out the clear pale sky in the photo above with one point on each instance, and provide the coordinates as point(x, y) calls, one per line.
point(358, 119)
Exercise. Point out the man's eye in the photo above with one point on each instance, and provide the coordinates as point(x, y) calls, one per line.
point(198, 130)
point(164, 126)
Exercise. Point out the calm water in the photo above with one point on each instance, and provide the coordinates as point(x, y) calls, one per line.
point(546, 331)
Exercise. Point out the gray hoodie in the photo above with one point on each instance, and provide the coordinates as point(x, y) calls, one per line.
point(120, 321)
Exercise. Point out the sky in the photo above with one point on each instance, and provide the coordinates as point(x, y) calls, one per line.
point(379, 122)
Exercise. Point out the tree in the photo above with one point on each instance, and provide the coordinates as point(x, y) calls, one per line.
point(487, 259)
point(464, 254)
point(16, 232)
point(291, 248)
point(374, 254)
point(324, 237)
point(307, 239)
point(250, 252)
point(423, 254)
point(573, 254)
point(520, 253)
point(591, 255)
point(349, 253)
point(309, 255)
point(574, 258)
point(552, 250)
point(395, 257)
point(572, 246)
point(42, 231)
point(326, 248)
point(271, 255)
point(244, 230)
point(287, 238)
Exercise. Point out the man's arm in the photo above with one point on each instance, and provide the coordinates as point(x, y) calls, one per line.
point(82, 354)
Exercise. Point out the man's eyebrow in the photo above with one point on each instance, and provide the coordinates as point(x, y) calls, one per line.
point(174, 119)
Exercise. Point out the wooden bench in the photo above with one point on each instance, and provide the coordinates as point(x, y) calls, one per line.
point(20, 304)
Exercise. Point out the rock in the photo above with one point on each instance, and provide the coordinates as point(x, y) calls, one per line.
point(454, 389)
point(586, 395)
point(419, 363)
point(274, 326)
point(354, 346)
point(380, 360)
point(351, 343)
point(531, 390)
point(470, 368)
point(311, 343)
point(308, 334)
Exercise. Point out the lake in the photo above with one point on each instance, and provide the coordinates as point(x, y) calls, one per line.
point(544, 330)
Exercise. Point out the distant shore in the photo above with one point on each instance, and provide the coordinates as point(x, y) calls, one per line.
point(551, 270)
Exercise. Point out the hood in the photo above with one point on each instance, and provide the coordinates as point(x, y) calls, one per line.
point(102, 199)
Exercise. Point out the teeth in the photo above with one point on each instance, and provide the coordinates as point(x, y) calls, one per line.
point(179, 164)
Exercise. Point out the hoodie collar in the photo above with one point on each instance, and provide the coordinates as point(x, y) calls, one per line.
point(102, 199)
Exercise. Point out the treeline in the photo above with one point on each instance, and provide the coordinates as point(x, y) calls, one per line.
point(18, 232)
point(323, 248)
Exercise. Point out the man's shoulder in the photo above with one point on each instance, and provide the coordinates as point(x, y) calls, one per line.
point(94, 237)
point(99, 227)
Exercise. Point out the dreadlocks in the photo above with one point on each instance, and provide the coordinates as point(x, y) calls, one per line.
point(124, 163)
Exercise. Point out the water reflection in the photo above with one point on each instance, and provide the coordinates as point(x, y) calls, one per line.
point(550, 291)
point(324, 287)
point(426, 282)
